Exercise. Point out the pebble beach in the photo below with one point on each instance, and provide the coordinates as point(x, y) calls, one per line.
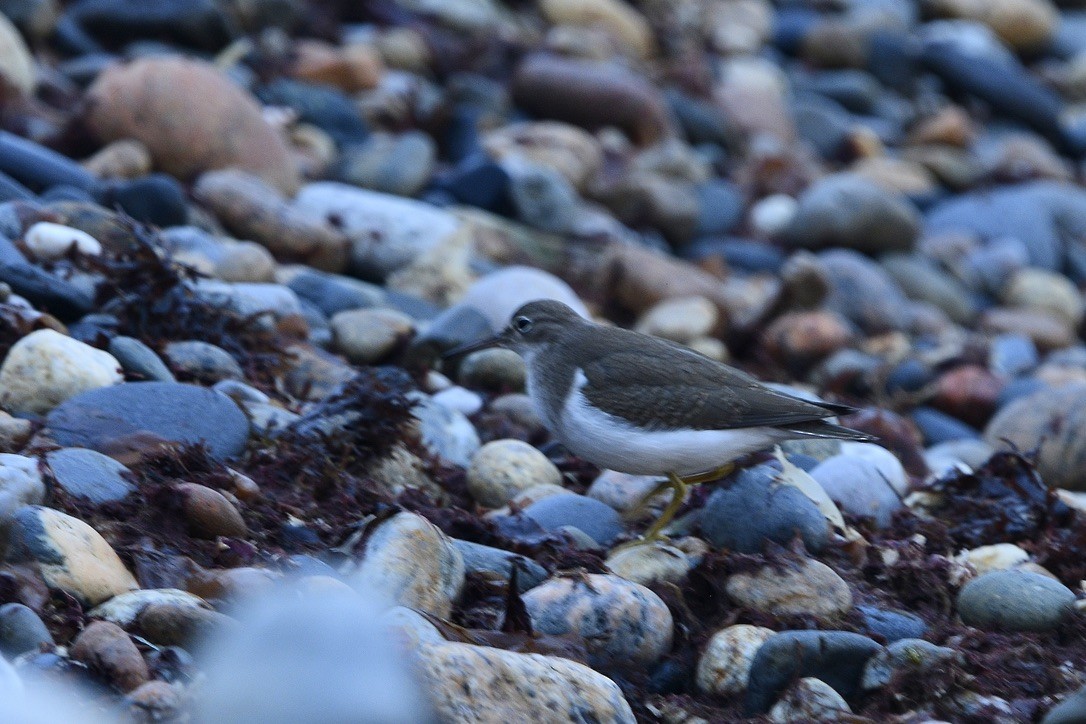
point(239, 481)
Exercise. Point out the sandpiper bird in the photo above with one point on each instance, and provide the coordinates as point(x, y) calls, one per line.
point(646, 406)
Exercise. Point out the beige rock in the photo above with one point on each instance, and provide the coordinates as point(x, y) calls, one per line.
point(752, 92)
point(46, 367)
point(481, 684)
point(569, 150)
point(365, 336)
point(71, 555)
point(657, 562)
point(16, 63)
point(738, 27)
point(725, 664)
point(441, 274)
point(810, 589)
point(351, 67)
point(503, 468)
point(106, 649)
point(680, 319)
point(995, 557)
point(123, 159)
point(1023, 24)
point(410, 562)
point(618, 18)
point(144, 100)
point(1045, 291)
point(809, 700)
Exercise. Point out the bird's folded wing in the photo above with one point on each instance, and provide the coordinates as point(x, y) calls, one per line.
point(695, 392)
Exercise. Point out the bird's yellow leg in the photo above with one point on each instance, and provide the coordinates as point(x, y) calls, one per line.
point(679, 487)
point(716, 474)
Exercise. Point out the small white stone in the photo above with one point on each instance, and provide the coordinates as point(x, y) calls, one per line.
point(809, 700)
point(52, 241)
point(46, 367)
point(771, 215)
point(657, 562)
point(125, 608)
point(20, 484)
point(503, 468)
point(725, 665)
point(996, 557)
point(459, 399)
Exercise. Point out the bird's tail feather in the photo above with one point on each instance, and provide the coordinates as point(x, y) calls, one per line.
point(827, 430)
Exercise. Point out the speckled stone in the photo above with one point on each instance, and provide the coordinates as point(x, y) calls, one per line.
point(809, 589)
point(622, 623)
point(904, 655)
point(410, 562)
point(657, 562)
point(809, 700)
point(470, 684)
point(503, 468)
point(725, 664)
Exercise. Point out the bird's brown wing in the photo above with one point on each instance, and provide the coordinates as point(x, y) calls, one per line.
point(693, 392)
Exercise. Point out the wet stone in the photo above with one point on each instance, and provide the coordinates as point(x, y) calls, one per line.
point(88, 474)
point(622, 623)
point(108, 419)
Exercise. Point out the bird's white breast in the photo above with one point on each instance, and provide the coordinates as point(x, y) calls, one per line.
point(614, 443)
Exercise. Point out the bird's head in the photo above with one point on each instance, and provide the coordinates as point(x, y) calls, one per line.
point(535, 325)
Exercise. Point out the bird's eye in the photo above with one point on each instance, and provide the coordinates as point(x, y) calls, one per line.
point(522, 324)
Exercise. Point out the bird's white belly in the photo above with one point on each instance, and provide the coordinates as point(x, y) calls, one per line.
point(615, 444)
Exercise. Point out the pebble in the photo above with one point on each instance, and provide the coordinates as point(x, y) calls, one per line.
point(625, 492)
point(469, 683)
point(366, 336)
point(846, 210)
point(108, 651)
point(863, 293)
point(71, 555)
point(21, 630)
point(810, 588)
point(143, 99)
point(810, 700)
point(119, 418)
point(181, 624)
point(90, 475)
point(784, 512)
point(862, 487)
point(209, 513)
point(594, 519)
point(45, 368)
point(503, 468)
point(139, 361)
point(571, 151)
point(50, 241)
point(995, 557)
point(498, 563)
point(155, 701)
point(459, 399)
point(1013, 600)
point(725, 664)
point(904, 655)
point(657, 562)
point(891, 625)
point(1070, 710)
point(622, 623)
point(1050, 416)
point(399, 165)
point(202, 361)
point(680, 319)
point(409, 561)
point(124, 609)
point(835, 657)
point(1046, 291)
point(20, 484)
point(16, 62)
point(494, 370)
point(386, 232)
point(498, 294)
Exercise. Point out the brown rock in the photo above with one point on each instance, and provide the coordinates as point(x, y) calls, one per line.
point(121, 159)
point(154, 701)
point(191, 118)
point(950, 125)
point(231, 583)
point(251, 208)
point(351, 67)
point(571, 151)
point(105, 648)
point(968, 393)
point(800, 339)
point(172, 624)
point(591, 94)
point(209, 514)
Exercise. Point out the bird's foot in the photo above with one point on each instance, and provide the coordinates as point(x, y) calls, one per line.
point(655, 532)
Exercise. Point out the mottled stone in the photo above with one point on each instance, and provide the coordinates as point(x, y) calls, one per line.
point(46, 368)
point(1054, 420)
point(809, 700)
point(810, 588)
point(503, 468)
point(622, 623)
point(1014, 600)
point(725, 664)
point(657, 562)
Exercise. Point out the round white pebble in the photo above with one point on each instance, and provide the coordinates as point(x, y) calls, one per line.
point(52, 241)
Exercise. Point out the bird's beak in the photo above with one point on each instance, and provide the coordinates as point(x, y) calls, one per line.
point(496, 341)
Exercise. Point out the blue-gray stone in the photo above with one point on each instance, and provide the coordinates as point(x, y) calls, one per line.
point(755, 510)
point(88, 474)
point(862, 292)
point(105, 418)
point(721, 206)
point(1012, 355)
point(331, 293)
point(835, 657)
point(479, 558)
point(203, 361)
point(891, 625)
point(1015, 600)
point(938, 427)
point(598, 520)
point(139, 360)
point(1072, 710)
point(21, 630)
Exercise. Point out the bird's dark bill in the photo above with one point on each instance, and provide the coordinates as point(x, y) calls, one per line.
point(487, 343)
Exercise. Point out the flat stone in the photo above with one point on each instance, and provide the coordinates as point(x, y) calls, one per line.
point(72, 556)
point(891, 625)
point(103, 419)
point(88, 474)
point(203, 361)
point(1015, 600)
point(622, 623)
